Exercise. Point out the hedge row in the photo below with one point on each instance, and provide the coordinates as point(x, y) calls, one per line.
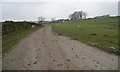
point(10, 26)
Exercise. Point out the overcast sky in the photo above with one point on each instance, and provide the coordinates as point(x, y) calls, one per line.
point(32, 10)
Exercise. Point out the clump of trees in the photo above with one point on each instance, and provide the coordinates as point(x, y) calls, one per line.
point(53, 19)
point(11, 26)
point(78, 15)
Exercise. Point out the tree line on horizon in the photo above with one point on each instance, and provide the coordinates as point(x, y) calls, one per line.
point(75, 16)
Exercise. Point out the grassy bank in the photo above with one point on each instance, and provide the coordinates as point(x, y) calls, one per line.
point(101, 33)
point(11, 39)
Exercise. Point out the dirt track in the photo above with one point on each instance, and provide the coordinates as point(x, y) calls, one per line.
point(44, 50)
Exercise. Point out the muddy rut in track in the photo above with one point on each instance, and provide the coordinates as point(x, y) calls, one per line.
point(44, 50)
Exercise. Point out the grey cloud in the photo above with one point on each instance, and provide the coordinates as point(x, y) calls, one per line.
point(32, 10)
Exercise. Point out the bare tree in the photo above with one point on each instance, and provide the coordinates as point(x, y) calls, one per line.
point(40, 20)
point(85, 15)
point(71, 17)
point(53, 19)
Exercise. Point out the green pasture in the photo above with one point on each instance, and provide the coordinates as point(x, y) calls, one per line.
point(101, 33)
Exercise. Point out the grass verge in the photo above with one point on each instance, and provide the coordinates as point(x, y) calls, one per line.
point(11, 39)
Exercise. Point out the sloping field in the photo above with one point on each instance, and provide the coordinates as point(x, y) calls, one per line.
point(100, 32)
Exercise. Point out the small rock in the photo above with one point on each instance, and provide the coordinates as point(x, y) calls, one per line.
point(68, 60)
point(33, 26)
point(67, 67)
point(60, 65)
point(29, 64)
point(53, 40)
point(75, 55)
point(97, 62)
point(43, 42)
point(83, 58)
point(96, 66)
point(72, 48)
point(53, 60)
point(35, 62)
point(93, 60)
point(112, 47)
point(49, 53)
point(112, 59)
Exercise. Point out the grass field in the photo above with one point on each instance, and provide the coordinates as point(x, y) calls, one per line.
point(11, 39)
point(101, 33)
